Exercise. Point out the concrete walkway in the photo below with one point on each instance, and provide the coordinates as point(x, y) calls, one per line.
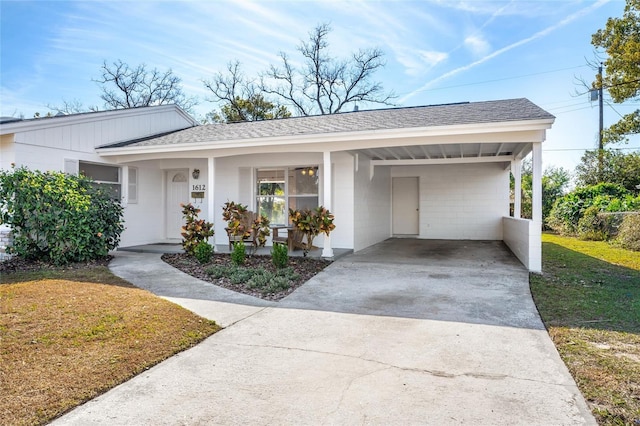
point(406, 332)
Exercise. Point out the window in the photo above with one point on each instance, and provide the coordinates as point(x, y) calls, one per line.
point(271, 195)
point(132, 194)
point(108, 177)
point(278, 190)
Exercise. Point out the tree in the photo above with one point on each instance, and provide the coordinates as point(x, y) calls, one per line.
point(241, 99)
point(324, 84)
point(253, 109)
point(617, 167)
point(620, 40)
point(129, 87)
point(71, 107)
point(554, 183)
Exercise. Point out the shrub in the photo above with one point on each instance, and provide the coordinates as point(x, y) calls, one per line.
point(219, 271)
point(592, 226)
point(280, 255)
point(203, 252)
point(569, 209)
point(312, 223)
point(629, 233)
point(195, 230)
point(58, 218)
point(239, 253)
point(242, 222)
point(261, 278)
point(240, 275)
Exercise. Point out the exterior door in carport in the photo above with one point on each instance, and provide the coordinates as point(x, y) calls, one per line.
point(405, 208)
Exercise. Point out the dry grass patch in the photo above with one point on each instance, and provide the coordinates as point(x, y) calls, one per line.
point(589, 298)
point(65, 341)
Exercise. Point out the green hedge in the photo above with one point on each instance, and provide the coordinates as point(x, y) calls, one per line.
point(58, 218)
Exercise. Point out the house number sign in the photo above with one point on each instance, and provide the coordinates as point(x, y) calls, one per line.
point(200, 187)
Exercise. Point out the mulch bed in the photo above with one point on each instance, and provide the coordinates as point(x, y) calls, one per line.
point(306, 268)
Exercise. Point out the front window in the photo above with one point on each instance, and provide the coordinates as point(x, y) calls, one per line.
point(106, 176)
point(280, 189)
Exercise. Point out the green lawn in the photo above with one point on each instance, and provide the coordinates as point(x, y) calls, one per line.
point(589, 298)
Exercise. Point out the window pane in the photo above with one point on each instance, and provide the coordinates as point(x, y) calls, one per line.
point(271, 196)
point(100, 172)
point(303, 181)
point(303, 203)
point(273, 207)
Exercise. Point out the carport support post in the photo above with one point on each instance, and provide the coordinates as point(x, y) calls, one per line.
point(535, 231)
point(516, 170)
point(211, 173)
point(327, 187)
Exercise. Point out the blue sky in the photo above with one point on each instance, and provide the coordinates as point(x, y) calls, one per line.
point(437, 51)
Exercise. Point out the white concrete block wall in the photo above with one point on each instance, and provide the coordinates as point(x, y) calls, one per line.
point(460, 201)
point(5, 242)
point(516, 237)
point(372, 205)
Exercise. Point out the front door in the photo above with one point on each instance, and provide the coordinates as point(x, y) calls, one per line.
point(177, 193)
point(405, 206)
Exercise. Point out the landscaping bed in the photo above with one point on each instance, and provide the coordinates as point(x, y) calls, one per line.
point(298, 271)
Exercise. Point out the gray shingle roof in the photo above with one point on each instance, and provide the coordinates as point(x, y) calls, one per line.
point(381, 119)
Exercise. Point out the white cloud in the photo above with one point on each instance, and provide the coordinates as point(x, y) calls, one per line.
point(542, 33)
point(477, 45)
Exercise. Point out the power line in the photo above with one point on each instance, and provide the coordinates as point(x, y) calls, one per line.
point(494, 80)
point(585, 149)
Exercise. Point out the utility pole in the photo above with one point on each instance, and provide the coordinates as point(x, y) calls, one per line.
point(600, 128)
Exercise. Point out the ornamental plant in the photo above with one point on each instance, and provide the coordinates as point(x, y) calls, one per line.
point(58, 218)
point(195, 230)
point(311, 223)
point(280, 255)
point(240, 223)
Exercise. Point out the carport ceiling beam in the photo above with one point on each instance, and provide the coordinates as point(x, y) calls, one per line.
point(424, 150)
point(404, 148)
point(480, 150)
point(373, 154)
point(444, 154)
point(499, 149)
point(393, 154)
point(458, 160)
point(518, 153)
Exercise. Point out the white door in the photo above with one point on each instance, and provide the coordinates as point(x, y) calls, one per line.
point(177, 193)
point(405, 206)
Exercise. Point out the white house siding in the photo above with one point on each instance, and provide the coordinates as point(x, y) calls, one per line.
point(228, 180)
point(460, 202)
point(145, 220)
point(372, 204)
point(7, 151)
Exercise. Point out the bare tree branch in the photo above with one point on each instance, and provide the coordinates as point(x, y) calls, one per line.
point(138, 86)
point(325, 84)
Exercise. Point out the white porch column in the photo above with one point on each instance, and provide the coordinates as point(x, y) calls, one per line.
point(327, 187)
point(211, 180)
point(516, 170)
point(535, 231)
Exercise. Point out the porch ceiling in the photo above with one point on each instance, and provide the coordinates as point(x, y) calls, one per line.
point(440, 153)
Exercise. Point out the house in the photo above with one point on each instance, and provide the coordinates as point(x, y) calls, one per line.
point(437, 172)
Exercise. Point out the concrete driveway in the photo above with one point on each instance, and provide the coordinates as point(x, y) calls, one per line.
point(405, 332)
